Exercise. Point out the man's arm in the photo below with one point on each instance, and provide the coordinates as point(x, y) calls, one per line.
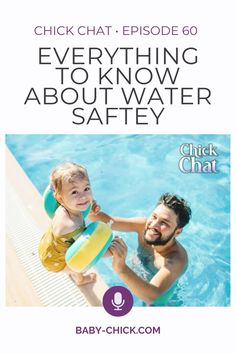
point(120, 224)
point(148, 292)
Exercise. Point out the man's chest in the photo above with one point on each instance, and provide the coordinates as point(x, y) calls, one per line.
point(159, 261)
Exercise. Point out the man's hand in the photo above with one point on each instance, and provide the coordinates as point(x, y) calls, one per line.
point(118, 249)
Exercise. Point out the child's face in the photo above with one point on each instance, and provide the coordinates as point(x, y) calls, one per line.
point(76, 195)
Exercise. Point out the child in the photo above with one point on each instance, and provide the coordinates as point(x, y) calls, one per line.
point(73, 192)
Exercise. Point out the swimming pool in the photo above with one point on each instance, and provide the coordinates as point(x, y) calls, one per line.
point(128, 173)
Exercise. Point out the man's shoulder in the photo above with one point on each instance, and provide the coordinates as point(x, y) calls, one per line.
point(182, 253)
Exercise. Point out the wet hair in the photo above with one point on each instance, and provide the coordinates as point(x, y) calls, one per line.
point(178, 205)
point(66, 172)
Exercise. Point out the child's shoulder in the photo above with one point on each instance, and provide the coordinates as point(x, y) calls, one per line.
point(62, 223)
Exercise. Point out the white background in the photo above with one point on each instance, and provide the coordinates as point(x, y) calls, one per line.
point(182, 329)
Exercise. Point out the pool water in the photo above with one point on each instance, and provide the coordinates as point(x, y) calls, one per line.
point(128, 173)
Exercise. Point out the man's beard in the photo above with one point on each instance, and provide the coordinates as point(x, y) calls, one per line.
point(159, 240)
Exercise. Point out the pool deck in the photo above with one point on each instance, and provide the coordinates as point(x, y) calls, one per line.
point(27, 282)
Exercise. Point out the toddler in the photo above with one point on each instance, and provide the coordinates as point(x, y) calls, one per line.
point(72, 190)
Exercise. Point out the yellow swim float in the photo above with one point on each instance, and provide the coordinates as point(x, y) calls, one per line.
point(89, 247)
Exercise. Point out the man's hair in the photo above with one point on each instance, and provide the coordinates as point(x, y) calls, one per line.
point(178, 205)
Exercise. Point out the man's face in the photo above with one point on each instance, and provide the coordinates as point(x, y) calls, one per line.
point(161, 226)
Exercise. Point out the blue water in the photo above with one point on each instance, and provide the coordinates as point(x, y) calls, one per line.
point(128, 173)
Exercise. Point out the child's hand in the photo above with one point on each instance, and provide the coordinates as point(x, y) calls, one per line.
point(95, 209)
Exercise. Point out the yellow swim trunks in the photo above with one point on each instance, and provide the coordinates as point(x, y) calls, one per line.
point(52, 249)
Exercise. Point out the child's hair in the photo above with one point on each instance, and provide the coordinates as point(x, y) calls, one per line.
point(66, 172)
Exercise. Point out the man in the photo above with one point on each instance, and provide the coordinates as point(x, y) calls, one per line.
point(157, 236)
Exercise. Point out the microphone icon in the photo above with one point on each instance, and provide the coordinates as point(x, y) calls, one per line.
point(117, 301)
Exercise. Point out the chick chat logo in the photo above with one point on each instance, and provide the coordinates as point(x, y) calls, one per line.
point(198, 159)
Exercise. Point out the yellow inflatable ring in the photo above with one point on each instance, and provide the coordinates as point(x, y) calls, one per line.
point(89, 247)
